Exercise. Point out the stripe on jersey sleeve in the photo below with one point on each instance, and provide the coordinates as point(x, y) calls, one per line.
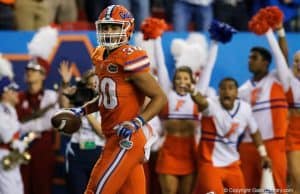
point(137, 64)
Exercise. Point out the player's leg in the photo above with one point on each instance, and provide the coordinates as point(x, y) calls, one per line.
point(186, 184)
point(135, 182)
point(116, 163)
point(168, 183)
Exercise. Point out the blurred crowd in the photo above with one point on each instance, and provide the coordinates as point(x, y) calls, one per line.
point(181, 15)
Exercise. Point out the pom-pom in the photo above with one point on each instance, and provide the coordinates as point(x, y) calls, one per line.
point(269, 17)
point(43, 42)
point(191, 52)
point(193, 56)
point(221, 32)
point(177, 47)
point(153, 28)
point(274, 16)
point(258, 25)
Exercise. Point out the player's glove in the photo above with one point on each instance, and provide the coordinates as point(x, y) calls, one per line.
point(126, 128)
point(221, 32)
point(78, 111)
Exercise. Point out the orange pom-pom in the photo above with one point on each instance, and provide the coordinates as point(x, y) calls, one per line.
point(153, 28)
point(269, 17)
point(274, 16)
point(258, 25)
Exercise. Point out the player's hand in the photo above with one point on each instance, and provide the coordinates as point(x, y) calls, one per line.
point(78, 111)
point(126, 128)
point(266, 162)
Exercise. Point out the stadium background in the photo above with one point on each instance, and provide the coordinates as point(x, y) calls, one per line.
point(75, 47)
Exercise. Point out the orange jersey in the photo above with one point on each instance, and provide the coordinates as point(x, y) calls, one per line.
point(119, 98)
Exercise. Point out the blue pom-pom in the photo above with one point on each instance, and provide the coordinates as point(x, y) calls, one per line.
point(221, 32)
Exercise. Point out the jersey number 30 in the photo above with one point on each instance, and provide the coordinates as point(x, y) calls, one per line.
point(108, 91)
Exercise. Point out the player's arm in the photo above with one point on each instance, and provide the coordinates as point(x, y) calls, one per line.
point(146, 83)
point(137, 67)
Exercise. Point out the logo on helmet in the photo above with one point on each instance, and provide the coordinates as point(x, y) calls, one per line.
point(125, 15)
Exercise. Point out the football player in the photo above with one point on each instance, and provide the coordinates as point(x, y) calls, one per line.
point(124, 82)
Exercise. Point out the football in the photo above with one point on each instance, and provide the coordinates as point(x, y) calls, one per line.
point(65, 121)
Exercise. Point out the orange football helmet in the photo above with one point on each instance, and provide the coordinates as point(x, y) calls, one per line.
point(114, 15)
